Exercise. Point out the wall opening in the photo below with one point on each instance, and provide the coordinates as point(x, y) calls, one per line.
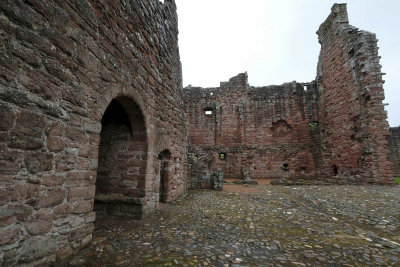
point(335, 170)
point(208, 111)
point(285, 166)
point(313, 125)
point(166, 174)
point(222, 156)
point(122, 160)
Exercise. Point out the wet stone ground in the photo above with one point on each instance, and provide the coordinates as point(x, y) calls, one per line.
point(257, 226)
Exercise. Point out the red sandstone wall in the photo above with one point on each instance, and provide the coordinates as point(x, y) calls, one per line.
point(394, 149)
point(259, 129)
point(353, 121)
point(62, 63)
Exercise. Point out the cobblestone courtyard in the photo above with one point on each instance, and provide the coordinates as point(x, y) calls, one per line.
point(257, 226)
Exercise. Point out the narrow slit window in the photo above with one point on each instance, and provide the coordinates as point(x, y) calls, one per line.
point(222, 156)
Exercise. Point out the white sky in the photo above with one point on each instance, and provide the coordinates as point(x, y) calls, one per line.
point(275, 40)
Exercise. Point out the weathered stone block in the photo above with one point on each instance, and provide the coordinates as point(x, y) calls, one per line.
point(77, 193)
point(55, 144)
point(9, 235)
point(7, 216)
point(28, 132)
point(37, 247)
point(8, 117)
point(62, 210)
point(76, 220)
point(83, 206)
point(27, 193)
point(51, 197)
point(4, 196)
point(53, 180)
point(40, 223)
point(8, 167)
point(38, 162)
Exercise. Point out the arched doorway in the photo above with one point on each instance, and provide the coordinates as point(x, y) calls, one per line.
point(122, 161)
point(166, 173)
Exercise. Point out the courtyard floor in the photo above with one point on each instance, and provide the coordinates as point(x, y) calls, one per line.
point(259, 225)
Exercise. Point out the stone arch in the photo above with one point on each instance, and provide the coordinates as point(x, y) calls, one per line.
point(166, 175)
point(122, 161)
point(121, 93)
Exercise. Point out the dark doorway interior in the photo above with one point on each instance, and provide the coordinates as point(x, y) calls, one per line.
point(335, 170)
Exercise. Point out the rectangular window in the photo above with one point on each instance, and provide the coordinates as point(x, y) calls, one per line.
point(208, 111)
point(222, 156)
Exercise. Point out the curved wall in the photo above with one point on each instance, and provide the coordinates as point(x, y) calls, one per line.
point(62, 63)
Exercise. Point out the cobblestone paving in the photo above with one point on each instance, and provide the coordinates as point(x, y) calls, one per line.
point(264, 226)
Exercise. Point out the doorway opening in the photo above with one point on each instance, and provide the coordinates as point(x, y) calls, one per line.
point(166, 174)
point(335, 170)
point(122, 161)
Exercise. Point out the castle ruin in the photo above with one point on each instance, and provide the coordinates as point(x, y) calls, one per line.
point(94, 117)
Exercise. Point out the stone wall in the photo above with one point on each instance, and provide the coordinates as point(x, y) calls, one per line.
point(332, 129)
point(262, 131)
point(394, 146)
point(353, 120)
point(63, 64)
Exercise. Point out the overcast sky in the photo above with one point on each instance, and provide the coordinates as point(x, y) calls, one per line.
point(275, 40)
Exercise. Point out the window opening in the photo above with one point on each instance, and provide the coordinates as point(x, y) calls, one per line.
point(335, 170)
point(313, 125)
point(222, 156)
point(208, 111)
point(285, 166)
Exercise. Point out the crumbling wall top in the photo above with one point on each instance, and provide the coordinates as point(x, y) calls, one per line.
point(338, 16)
point(240, 80)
